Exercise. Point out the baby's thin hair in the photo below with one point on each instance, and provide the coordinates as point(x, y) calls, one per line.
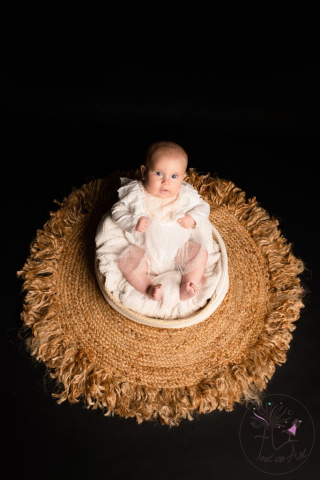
point(163, 144)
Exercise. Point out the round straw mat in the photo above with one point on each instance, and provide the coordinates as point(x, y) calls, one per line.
point(110, 362)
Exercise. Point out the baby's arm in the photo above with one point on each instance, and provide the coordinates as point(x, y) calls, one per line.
point(196, 215)
point(127, 220)
point(122, 215)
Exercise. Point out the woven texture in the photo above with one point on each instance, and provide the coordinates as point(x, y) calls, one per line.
point(134, 370)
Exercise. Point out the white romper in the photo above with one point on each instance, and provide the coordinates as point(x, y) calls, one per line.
point(165, 243)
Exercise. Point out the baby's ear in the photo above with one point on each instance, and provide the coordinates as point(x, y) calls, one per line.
point(142, 170)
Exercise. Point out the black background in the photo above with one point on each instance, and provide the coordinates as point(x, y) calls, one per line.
point(63, 126)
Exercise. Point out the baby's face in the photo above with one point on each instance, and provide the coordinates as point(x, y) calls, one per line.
point(165, 174)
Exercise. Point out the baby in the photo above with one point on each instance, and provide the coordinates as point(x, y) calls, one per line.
point(165, 221)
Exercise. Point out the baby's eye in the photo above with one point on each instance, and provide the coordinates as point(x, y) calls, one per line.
point(159, 174)
point(174, 176)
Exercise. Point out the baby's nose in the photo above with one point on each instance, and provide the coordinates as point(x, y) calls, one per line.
point(166, 180)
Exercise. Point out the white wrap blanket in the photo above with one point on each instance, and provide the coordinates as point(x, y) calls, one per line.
point(111, 241)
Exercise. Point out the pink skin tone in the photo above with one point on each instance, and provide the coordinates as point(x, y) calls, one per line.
point(163, 179)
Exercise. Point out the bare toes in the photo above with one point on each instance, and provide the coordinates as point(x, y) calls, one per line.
point(187, 290)
point(155, 292)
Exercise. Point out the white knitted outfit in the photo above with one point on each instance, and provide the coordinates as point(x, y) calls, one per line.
point(165, 244)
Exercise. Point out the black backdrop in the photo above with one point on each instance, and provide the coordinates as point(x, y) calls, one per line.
point(258, 129)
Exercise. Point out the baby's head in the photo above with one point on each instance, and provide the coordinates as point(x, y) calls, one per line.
point(164, 169)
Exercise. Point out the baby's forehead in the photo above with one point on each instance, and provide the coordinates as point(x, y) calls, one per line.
point(168, 155)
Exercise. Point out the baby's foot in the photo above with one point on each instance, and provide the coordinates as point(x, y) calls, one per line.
point(155, 292)
point(187, 290)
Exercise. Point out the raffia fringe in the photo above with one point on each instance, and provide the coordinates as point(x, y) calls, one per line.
point(72, 366)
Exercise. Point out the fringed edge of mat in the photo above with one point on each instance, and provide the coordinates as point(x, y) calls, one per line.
point(73, 367)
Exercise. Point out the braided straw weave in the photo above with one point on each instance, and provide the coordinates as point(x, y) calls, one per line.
point(109, 361)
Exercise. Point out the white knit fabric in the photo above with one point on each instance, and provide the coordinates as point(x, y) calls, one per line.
point(111, 241)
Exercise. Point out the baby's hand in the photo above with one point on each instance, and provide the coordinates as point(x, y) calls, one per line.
point(187, 221)
point(143, 224)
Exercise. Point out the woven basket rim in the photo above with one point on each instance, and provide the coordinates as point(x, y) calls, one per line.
point(192, 319)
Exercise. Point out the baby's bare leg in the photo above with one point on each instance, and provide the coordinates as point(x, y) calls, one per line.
point(134, 267)
point(195, 266)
